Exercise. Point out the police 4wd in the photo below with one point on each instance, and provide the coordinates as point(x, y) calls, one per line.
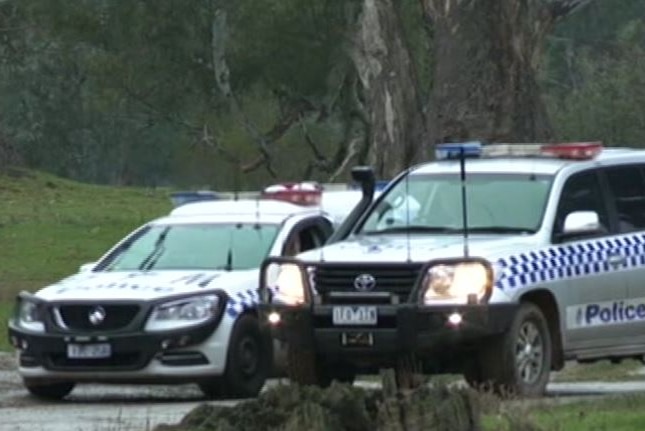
point(500, 262)
point(173, 302)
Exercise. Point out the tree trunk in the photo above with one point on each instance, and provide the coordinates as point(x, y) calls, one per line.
point(394, 123)
point(488, 54)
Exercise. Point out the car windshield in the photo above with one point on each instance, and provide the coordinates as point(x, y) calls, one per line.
point(193, 246)
point(432, 203)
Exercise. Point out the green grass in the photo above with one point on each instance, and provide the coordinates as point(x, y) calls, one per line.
point(600, 371)
point(620, 413)
point(6, 309)
point(50, 226)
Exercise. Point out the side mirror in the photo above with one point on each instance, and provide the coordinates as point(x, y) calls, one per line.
point(87, 267)
point(581, 222)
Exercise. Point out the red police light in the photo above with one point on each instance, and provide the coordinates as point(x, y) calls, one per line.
point(304, 193)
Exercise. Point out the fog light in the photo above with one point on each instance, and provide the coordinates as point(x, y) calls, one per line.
point(274, 318)
point(165, 344)
point(455, 319)
point(24, 345)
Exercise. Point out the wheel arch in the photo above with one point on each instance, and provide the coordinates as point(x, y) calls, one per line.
point(546, 302)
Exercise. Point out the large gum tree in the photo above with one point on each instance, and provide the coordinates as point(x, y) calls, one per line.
point(488, 54)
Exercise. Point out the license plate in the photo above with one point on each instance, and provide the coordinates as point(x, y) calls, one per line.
point(358, 339)
point(89, 351)
point(359, 315)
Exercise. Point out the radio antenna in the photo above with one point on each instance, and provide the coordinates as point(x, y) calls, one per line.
point(407, 216)
point(326, 215)
point(464, 208)
point(257, 212)
point(236, 182)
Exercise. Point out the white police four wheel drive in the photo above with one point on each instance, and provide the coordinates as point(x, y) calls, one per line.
point(172, 302)
point(545, 264)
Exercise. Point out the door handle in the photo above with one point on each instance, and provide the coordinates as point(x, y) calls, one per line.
point(616, 260)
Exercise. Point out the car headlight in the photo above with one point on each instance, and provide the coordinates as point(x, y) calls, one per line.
point(183, 313)
point(459, 282)
point(30, 315)
point(287, 283)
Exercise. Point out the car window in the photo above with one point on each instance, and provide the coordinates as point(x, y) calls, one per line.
point(305, 238)
point(581, 192)
point(234, 246)
point(627, 187)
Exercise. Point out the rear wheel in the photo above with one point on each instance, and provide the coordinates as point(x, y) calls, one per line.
point(49, 391)
point(248, 363)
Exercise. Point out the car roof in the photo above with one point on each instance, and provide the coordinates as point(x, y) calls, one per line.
point(265, 211)
point(239, 207)
point(535, 165)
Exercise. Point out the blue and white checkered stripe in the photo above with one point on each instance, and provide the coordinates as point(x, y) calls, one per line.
point(241, 301)
point(569, 261)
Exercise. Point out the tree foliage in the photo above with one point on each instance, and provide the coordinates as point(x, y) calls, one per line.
point(237, 94)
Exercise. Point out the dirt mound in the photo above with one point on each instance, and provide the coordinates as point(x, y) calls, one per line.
point(341, 407)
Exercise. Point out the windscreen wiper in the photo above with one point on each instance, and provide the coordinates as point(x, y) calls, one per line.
point(499, 229)
point(156, 252)
point(413, 229)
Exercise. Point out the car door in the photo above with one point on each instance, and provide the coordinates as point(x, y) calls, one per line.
point(626, 185)
point(593, 267)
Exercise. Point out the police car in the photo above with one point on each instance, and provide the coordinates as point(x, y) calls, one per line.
point(173, 302)
point(497, 261)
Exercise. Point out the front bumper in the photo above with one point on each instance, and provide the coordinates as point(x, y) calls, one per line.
point(170, 356)
point(424, 331)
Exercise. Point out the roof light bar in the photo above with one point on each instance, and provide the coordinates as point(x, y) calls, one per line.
point(455, 150)
point(305, 193)
point(574, 150)
point(569, 150)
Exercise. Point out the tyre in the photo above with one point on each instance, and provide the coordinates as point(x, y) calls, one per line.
point(517, 363)
point(49, 391)
point(248, 363)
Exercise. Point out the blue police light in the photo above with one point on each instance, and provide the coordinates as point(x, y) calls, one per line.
point(455, 150)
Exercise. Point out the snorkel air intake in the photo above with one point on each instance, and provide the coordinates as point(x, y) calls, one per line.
point(364, 176)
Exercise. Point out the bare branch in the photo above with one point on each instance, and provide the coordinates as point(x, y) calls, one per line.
point(352, 151)
point(320, 157)
point(208, 140)
point(561, 8)
point(133, 95)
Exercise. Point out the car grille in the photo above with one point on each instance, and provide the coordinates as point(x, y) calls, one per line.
point(77, 316)
point(334, 281)
point(118, 362)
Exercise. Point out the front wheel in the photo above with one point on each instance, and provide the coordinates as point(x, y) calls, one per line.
point(49, 391)
point(519, 361)
point(248, 363)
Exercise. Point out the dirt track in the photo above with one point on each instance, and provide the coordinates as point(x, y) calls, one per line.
point(92, 407)
point(138, 408)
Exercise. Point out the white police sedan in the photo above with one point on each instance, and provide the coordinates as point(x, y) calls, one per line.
point(173, 302)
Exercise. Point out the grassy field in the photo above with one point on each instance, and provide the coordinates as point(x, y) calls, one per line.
point(50, 226)
point(619, 413)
